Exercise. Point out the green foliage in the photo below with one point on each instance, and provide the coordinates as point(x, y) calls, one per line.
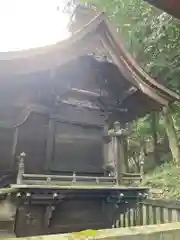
point(152, 37)
point(166, 178)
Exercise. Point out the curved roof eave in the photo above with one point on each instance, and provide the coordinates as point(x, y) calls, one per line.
point(48, 57)
point(53, 56)
point(145, 83)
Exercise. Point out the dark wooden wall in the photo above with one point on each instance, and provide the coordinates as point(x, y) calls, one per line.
point(6, 143)
point(32, 137)
point(75, 142)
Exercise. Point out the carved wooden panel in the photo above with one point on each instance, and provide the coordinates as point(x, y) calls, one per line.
point(29, 220)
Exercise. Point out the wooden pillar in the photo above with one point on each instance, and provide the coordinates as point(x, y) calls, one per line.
point(120, 153)
point(126, 132)
point(50, 144)
point(126, 153)
point(109, 167)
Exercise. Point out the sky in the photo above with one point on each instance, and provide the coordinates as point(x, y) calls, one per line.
point(28, 24)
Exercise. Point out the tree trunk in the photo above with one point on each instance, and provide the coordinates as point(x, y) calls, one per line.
point(154, 128)
point(172, 136)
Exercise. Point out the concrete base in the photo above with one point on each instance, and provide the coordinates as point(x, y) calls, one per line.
point(169, 231)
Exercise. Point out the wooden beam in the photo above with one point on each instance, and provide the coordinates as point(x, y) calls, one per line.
point(80, 105)
point(85, 92)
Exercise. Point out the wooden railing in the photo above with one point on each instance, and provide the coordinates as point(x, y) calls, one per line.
point(42, 179)
point(150, 211)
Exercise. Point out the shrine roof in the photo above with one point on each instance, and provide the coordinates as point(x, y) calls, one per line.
point(149, 94)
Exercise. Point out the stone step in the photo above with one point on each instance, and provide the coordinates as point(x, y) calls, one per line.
point(6, 234)
point(7, 229)
point(7, 225)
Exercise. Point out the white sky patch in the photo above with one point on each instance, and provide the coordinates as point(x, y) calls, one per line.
point(28, 24)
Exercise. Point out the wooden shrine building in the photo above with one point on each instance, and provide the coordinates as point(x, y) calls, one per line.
point(56, 105)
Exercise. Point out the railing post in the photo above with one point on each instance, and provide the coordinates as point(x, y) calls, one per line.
point(20, 168)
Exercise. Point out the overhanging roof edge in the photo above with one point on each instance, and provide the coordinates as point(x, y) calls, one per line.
point(49, 57)
point(135, 68)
